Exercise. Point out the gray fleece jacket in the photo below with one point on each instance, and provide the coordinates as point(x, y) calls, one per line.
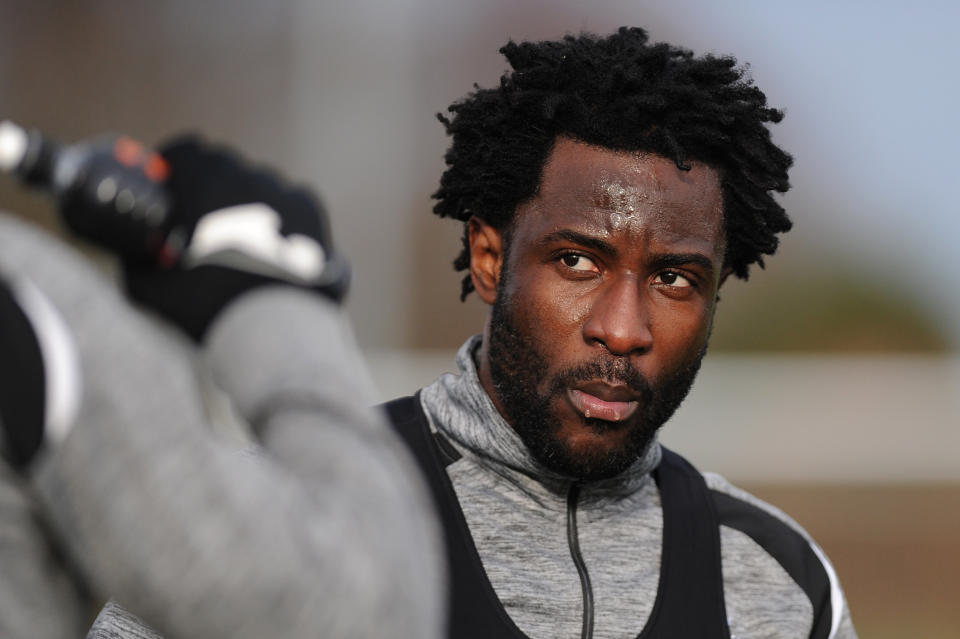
point(516, 511)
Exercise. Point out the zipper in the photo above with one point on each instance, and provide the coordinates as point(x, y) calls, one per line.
point(574, 543)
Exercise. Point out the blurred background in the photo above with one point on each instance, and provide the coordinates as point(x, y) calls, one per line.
point(831, 386)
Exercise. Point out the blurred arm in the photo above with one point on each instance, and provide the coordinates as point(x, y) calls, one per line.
point(324, 536)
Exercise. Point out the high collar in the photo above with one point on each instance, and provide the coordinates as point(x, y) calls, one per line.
point(459, 407)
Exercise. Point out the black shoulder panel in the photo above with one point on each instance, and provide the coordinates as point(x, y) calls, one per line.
point(22, 387)
point(407, 418)
point(788, 547)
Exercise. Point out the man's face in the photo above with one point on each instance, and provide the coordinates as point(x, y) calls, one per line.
point(602, 304)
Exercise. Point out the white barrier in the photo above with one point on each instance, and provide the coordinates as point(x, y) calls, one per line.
point(790, 418)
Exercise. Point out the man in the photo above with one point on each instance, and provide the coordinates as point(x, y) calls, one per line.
point(608, 188)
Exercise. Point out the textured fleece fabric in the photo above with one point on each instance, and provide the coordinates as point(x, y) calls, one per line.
point(516, 510)
point(327, 532)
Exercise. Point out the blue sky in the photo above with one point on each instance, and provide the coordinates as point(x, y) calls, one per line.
point(872, 101)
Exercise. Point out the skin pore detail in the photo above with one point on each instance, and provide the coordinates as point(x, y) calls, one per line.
point(602, 299)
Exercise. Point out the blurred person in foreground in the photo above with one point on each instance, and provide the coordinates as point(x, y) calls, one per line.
point(113, 483)
point(608, 187)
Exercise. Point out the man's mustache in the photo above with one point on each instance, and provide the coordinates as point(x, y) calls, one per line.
point(615, 371)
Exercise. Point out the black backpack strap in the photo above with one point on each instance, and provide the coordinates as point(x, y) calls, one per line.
point(690, 595)
point(475, 610)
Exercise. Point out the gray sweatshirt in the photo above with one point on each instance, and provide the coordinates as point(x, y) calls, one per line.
point(516, 511)
point(328, 532)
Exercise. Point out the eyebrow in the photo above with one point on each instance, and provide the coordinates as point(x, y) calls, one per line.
point(666, 260)
point(588, 241)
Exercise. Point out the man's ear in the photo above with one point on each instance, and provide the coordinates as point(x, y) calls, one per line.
point(486, 258)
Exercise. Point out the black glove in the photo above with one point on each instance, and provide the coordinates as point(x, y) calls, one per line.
point(22, 383)
point(229, 228)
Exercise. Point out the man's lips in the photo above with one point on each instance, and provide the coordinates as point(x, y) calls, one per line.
point(609, 403)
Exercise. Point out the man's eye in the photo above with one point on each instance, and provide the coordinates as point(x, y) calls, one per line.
point(578, 262)
point(672, 278)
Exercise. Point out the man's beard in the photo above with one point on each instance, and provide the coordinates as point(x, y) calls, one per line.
point(517, 367)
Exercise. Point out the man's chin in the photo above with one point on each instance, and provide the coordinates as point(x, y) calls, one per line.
point(589, 466)
point(599, 454)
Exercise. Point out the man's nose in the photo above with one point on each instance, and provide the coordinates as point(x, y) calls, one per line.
point(620, 318)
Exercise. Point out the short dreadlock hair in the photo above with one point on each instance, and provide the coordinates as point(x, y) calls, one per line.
point(621, 93)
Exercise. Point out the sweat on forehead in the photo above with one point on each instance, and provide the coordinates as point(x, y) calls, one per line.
point(628, 187)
